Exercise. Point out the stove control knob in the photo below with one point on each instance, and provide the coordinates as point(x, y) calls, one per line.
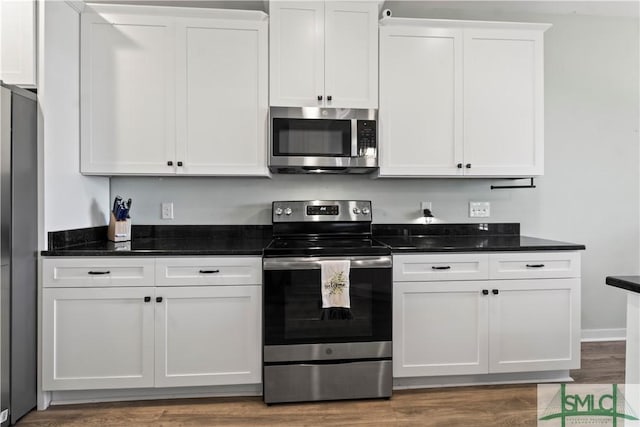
point(356, 211)
point(365, 211)
point(288, 211)
point(279, 211)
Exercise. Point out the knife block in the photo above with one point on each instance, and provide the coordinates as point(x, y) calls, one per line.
point(119, 231)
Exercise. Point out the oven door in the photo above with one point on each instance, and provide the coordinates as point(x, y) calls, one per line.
point(293, 311)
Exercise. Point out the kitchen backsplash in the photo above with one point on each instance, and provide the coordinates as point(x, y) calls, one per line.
point(218, 200)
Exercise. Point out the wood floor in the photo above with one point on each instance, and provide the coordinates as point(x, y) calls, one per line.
point(509, 405)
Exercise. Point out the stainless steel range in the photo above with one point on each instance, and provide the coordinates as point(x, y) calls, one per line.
point(327, 304)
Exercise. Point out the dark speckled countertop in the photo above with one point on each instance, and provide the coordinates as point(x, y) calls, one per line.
point(202, 240)
point(629, 283)
point(176, 240)
point(463, 238)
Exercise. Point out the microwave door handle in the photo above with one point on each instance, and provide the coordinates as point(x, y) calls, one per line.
point(354, 138)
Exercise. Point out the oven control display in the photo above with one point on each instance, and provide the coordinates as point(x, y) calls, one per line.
point(322, 210)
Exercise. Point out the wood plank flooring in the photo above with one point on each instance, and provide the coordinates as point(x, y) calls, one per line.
point(508, 405)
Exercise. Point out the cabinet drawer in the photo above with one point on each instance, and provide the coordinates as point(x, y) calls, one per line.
point(209, 271)
point(97, 271)
point(418, 268)
point(534, 265)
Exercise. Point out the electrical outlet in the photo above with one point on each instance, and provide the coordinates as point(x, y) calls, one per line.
point(479, 209)
point(4, 416)
point(167, 210)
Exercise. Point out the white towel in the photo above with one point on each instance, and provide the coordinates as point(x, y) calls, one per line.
point(335, 283)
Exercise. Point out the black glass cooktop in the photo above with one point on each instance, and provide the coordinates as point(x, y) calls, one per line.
point(325, 247)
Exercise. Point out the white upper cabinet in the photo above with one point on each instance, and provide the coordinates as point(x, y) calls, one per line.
point(421, 101)
point(173, 91)
point(18, 42)
point(503, 102)
point(127, 94)
point(222, 96)
point(324, 54)
point(461, 98)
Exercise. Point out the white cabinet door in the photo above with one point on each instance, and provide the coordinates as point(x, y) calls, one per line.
point(534, 325)
point(127, 97)
point(296, 41)
point(97, 338)
point(420, 101)
point(18, 42)
point(222, 96)
point(439, 328)
point(503, 102)
point(351, 54)
point(208, 335)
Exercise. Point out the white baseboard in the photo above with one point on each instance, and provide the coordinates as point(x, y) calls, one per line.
point(118, 395)
point(482, 379)
point(591, 335)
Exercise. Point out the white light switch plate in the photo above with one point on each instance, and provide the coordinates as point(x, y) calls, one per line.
point(479, 209)
point(4, 416)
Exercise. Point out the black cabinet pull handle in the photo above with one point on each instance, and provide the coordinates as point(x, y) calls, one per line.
point(444, 267)
point(459, 165)
point(179, 163)
point(468, 166)
point(329, 98)
point(209, 271)
point(147, 299)
point(485, 292)
point(158, 299)
point(98, 273)
point(169, 163)
point(495, 291)
point(535, 265)
point(319, 97)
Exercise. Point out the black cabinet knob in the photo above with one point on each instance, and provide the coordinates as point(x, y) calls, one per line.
point(169, 163)
point(485, 292)
point(495, 291)
point(459, 165)
point(319, 97)
point(468, 165)
point(329, 98)
point(98, 273)
point(147, 299)
point(179, 163)
point(158, 299)
point(209, 271)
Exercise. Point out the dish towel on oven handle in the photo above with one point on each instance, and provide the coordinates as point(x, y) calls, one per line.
point(334, 277)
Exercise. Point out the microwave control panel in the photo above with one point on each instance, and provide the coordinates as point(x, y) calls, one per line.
point(366, 135)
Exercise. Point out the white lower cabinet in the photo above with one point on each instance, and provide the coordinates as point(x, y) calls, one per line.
point(102, 335)
point(534, 324)
point(465, 327)
point(97, 338)
point(208, 335)
point(439, 328)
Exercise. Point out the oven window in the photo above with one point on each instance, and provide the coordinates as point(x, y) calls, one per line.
point(311, 137)
point(293, 312)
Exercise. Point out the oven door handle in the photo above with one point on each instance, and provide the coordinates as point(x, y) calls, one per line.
point(314, 263)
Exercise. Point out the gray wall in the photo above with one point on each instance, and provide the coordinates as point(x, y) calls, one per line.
point(589, 193)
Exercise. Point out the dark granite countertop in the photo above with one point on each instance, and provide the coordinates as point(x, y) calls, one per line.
point(463, 238)
point(629, 283)
point(197, 240)
point(473, 243)
point(149, 240)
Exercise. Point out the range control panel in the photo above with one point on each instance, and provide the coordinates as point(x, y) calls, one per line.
point(322, 210)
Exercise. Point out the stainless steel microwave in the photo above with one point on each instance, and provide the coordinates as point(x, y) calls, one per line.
point(323, 140)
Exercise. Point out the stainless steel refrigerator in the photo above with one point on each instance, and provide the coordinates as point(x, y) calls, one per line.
point(18, 251)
